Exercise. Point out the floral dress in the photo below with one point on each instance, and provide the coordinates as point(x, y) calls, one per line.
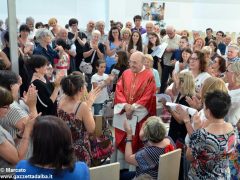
point(80, 136)
point(211, 153)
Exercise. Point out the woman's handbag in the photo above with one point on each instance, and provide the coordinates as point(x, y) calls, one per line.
point(87, 67)
point(101, 147)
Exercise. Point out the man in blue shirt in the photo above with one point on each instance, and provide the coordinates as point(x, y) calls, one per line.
point(137, 21)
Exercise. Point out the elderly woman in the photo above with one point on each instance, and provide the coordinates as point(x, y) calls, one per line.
point(9, 154)
point(146, 160)
point(233, 116)
point(93, 51)
point(44, 37)
point(53, 154)
point(233, 78)
point(149, 65)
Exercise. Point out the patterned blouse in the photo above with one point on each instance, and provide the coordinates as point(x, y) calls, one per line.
point(211, 153)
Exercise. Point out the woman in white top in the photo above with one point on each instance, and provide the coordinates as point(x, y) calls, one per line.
point(233, 78)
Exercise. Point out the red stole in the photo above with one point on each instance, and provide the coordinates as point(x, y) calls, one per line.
point(137, 88)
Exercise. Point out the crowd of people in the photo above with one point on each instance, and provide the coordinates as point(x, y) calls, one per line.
point(67, 75)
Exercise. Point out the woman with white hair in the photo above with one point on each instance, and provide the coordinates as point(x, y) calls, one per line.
point(233, 78)
point(44, 37)
point(93, 50)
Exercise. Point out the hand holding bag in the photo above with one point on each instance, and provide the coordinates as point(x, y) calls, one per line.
point(87, 67)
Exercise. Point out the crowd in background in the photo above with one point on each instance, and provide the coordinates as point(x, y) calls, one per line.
point(67, 72)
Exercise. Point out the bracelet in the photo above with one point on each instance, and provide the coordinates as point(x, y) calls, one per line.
point(128, 140)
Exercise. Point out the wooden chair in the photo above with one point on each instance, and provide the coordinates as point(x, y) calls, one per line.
point(108, 171)
point(169, 165)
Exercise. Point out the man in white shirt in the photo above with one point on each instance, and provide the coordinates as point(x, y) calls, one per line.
point(172, 39)
point(149, 29)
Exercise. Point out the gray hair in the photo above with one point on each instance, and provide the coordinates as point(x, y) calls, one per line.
point(30, 19)
point(236, 70)
point(234, 46)
point(154, 130)
point(41, 33)
point(99, 23)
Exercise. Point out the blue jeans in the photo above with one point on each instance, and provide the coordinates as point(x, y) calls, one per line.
point(97, 108)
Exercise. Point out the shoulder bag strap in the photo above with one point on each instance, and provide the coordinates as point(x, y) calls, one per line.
point(94, 53)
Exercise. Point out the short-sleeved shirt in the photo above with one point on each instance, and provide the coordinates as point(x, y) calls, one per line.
point(103, 95)
point(96, 58)
point(15, 113)
point(79, 47)
point(211, 154)
point(156, 77)
point(148, 159)
point(5, 136)
point(80, 172)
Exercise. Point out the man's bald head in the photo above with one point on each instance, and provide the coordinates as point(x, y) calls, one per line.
point(136, 61)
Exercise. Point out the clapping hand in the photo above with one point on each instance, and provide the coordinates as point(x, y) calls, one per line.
point(30, 97)
point(93, 95)
point(194, 102)
point(58, 79)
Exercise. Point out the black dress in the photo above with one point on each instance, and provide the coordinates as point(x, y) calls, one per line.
point(44, 103)
point(178, 131)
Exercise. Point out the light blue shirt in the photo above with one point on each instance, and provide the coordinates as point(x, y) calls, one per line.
point(156, 77)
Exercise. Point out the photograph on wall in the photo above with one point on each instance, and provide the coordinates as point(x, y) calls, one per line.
point(153, 10)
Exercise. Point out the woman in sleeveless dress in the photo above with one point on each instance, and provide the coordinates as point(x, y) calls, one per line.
point(77, 114)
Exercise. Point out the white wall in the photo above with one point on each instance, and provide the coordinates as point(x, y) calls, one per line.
point(187, 14)
point(63, 10)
